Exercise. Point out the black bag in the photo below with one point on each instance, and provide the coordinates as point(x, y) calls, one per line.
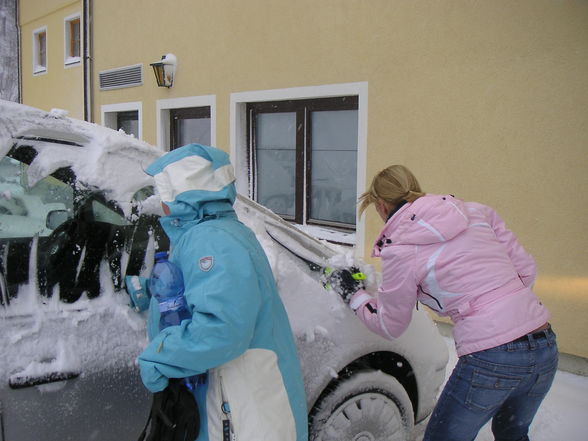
point(174, 415)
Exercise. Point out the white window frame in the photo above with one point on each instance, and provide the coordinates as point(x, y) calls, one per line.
point(67, 60)
point(38, 69)
point(239, 147)
point(162, 117)
point(109, 114)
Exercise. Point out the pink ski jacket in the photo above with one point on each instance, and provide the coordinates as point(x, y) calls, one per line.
point(459, 259)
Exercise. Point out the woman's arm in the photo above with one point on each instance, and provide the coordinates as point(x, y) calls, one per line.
point(390, 313)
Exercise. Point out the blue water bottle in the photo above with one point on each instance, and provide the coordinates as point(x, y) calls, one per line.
point(167, 285)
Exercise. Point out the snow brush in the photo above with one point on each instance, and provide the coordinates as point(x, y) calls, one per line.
point(345, 281)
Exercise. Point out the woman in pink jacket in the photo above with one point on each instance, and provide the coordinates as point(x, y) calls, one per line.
point(459, 259)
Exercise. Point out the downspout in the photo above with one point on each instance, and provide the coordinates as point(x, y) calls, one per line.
point(18, 59)
point(88, 61)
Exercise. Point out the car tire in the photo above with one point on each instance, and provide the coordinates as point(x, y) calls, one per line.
point(367, 406)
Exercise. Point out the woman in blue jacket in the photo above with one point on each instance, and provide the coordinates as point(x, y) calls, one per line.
point(239, 333)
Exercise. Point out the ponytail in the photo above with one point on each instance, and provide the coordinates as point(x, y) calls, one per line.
point(412, 196)
point(392, 185)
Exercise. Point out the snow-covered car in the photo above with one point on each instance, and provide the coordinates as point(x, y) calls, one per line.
point(69, 338)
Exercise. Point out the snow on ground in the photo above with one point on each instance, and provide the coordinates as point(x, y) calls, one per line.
point(562, 415)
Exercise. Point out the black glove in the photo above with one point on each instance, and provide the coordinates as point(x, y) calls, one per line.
point(344, 281)
point(174, 414)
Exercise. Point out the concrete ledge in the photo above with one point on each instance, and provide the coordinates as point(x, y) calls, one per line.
point(567, 362)
point(573, 364)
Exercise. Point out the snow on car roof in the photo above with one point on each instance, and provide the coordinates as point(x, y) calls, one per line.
point(99, 156)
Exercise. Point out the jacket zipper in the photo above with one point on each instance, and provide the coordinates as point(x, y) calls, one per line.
point(227, 423)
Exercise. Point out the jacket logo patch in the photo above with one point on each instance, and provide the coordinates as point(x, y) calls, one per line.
point(206, 263)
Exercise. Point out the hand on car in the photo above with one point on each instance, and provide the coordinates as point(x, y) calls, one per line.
point(344, 281)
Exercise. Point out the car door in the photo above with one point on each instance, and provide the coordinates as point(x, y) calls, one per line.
point(55, 233)
point(67, 335)
point(24, 212)
point(71, 375)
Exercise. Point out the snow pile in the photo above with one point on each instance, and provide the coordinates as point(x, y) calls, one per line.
point(99, 156)
point(58, 113)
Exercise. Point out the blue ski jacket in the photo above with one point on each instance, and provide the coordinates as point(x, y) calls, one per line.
point(239, 333)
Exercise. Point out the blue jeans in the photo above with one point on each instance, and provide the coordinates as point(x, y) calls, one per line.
point(506, 384)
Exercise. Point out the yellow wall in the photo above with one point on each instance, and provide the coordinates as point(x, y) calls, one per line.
point(485, 100)
point(61, 86)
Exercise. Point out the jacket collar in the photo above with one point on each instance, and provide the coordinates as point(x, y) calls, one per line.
point(395, 209)
point(386, 232)
point(180, 221)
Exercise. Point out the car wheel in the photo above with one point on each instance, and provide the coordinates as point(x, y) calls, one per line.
point(368, 406)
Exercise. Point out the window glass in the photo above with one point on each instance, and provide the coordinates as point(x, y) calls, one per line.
point(104, 213)
point(26, 211)
point(276, 161)
point(305, 159)
point(193, 131)
point(143, 194)
point(128, 122)
point(74, 38)
point(40, 51)
point(334, 166)
point(190, 125)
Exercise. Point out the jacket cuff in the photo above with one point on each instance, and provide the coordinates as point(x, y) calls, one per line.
point(359, 299)
point(151, 377)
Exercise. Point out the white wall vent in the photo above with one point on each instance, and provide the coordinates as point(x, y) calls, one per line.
point(128, 76)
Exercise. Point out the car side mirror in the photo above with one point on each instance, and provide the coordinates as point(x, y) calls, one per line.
point(55, 218)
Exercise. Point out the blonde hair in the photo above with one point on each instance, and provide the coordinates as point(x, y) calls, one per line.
point(392, 185)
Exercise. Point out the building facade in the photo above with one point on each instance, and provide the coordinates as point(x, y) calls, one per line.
point(484, 100)
point(51, 70)
point(9, 63)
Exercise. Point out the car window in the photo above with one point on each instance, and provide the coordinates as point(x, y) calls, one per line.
point(25, 210)
point(143, 194)
point(106, 214)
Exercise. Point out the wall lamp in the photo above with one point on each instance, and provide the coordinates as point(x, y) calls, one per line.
point(165, 70)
